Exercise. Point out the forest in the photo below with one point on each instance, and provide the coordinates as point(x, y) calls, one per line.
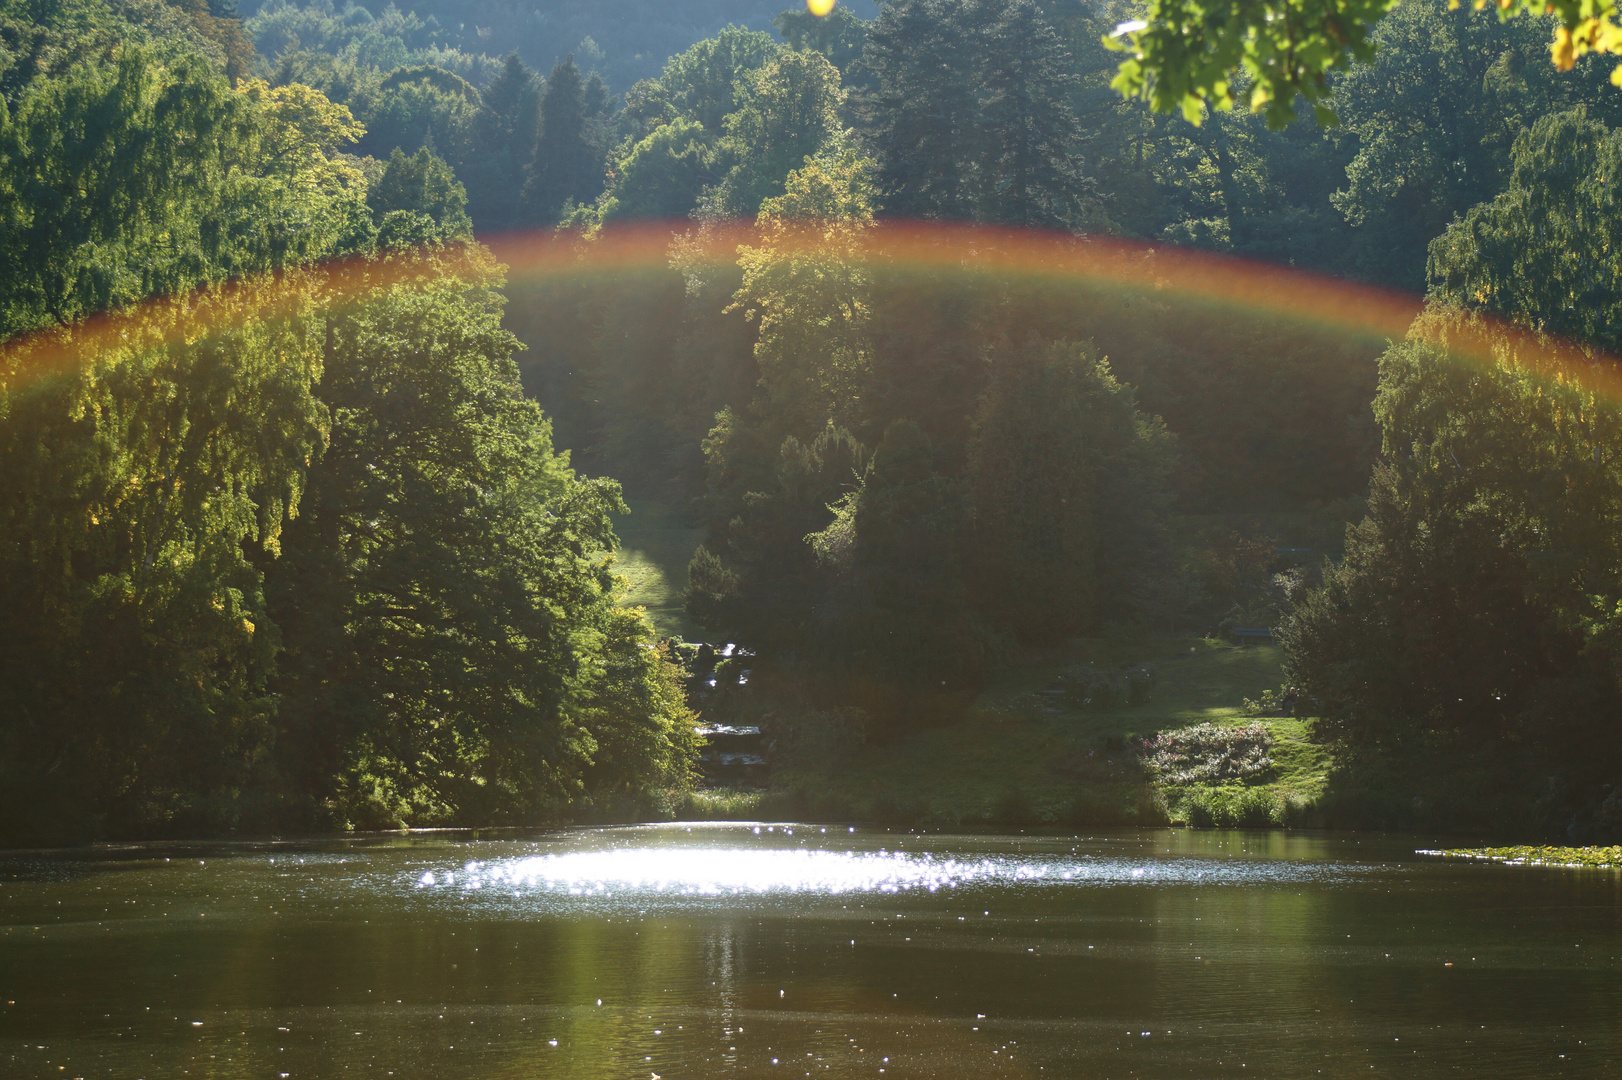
point(336, 344)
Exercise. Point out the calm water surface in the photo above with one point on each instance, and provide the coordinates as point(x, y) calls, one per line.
point(798, 950)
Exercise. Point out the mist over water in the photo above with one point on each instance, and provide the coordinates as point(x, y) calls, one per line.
point(719, 950)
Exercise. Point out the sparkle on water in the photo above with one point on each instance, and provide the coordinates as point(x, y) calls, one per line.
point(779, 949)
point(778, 864)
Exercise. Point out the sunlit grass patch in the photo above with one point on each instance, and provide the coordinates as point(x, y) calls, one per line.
point(655, 548)
point(1537, 856)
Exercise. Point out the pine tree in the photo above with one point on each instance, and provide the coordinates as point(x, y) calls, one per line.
point(1027, 135)
point(971, 118)
point(504, 136)
point(567, 167)
point(923, 108)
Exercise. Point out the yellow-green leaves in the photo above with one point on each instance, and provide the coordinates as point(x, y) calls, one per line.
point(806, 284)
point(1186, 54)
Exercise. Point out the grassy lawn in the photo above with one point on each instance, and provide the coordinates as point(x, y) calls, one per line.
point(655, 548)
point(1018, 757)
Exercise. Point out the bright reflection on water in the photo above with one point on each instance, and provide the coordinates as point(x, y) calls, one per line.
point(732, 872)
point(652, 871)
point(806, 951)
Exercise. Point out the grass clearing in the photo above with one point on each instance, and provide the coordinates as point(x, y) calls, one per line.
point(655, 547)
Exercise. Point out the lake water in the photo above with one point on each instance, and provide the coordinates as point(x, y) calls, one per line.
point(724, 950)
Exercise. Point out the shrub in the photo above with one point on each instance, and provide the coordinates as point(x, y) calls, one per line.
point(1207, 753)
point(1235, 808)
point(720, 804)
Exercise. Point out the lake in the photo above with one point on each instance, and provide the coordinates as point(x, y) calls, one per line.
point(722, 950)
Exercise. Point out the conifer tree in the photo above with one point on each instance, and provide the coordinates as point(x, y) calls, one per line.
point(971, 118)
point(503, 144)
point(567, 167)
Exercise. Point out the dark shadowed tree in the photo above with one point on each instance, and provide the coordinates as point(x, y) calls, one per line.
point(503, 144)
point(568, 166)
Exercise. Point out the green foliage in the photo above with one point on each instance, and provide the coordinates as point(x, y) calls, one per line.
point(504, 132)
point(1066, 484)
point(1187, 56)
point(787, 112)
point(807, 291)
point(388, 40)
point(1545, 252)
point(838, 35)
point(1198, 57)
point(1471, 618)
point(295, 550)
point(661, 176)
point(567, 165)
point(44, 38)
point(898, 624)
point(971, 117)
point(1433, 118)
point(450, 645)
point(418, 107)
point(179, 181)
point(705, 83)
point(1235, 808)
point(423, 188)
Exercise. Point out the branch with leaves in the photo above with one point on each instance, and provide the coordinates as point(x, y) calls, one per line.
point(1200, 55)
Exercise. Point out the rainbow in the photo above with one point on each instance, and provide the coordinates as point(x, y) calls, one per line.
point(1012, 255)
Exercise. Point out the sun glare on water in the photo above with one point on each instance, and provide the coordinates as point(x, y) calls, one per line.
point(730, 872)
point(732, 869)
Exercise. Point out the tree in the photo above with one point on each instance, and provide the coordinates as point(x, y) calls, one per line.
point(418, 200)
point(1432, 119)
point(894, 632)
point(1471, 632)
point(1547, 252)
point(920, 117)
point(419, 106)
point(806, 288)
point(972, 119)
point(787, 112)
point(243, 454)
point(1066, 491)
point(661, 176)
point(567, 166)
point(704, 82)
point(1027, 136)
point(838, 35)
point(451, 643)
point(504, 135)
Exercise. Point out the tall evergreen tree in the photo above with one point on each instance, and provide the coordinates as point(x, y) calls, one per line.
point(971, 117)
point(567, 166)
point(503, 144)
point(1027, 136)
point(919, 118)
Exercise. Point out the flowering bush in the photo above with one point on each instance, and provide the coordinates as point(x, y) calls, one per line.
point(1208, 752)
